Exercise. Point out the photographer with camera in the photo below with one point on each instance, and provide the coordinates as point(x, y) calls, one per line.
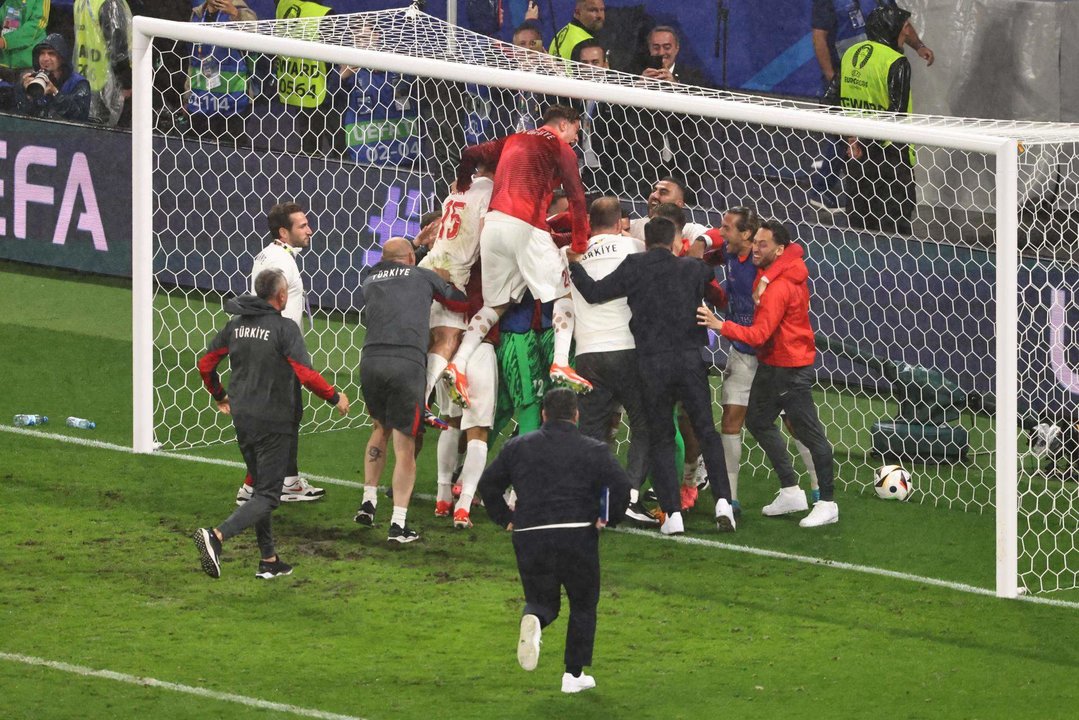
point(53, 89)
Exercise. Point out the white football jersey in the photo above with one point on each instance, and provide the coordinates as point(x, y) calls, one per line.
point(457, 246)
point(604, 327)
point(277, 256)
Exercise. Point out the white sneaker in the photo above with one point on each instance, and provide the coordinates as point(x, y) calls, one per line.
point(825, 512)
point(724, 516)
point(671, 526)
point(528, 644)
point(572, 684)
point(701, 476)
point(245, 493)
point(296, 489)
point(789, 500)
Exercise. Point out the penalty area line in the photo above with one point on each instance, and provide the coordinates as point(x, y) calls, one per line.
point(175, 687)
point(703, 542)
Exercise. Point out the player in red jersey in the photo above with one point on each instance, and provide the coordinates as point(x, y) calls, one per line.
point(516, 248)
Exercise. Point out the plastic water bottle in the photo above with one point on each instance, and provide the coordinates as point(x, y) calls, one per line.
point(81, 423)
point(30, 420)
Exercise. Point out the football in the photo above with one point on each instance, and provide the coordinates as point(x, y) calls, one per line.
point(893, 483)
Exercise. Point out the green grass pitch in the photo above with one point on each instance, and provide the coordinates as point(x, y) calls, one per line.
point(99, 571)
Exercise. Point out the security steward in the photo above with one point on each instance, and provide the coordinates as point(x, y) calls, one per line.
point(268, 360)
point(568, 486)
point(874, 75)
point(663, 293)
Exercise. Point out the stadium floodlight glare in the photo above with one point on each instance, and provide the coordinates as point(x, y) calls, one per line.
point(929, 300)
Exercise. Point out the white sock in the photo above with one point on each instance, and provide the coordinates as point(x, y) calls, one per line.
point(370, 494)
point(807, 458)
point(475, 461)
point(399, 514)
point(447, 459)
point(478, 327)
point(435, 365)
point(633, 495)
point(732, 453)
point(562, 320)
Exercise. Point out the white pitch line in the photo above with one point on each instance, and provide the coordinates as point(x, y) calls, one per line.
point(101, 445)
point(774, 554)
point(175, 687)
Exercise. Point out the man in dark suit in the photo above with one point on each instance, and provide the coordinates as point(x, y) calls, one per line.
point(568, 487)
point(665, 143)
point(663, 291)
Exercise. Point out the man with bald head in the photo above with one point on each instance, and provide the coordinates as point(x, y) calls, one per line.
point(397, 299)
point(587, 21)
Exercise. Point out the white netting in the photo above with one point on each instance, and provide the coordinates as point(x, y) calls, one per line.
point(906, 316)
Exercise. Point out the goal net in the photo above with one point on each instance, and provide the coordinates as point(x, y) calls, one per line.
point(942, 300)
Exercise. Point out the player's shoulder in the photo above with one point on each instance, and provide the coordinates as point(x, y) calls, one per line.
point(480, 185)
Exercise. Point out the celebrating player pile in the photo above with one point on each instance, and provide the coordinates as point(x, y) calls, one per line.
point(517, 251)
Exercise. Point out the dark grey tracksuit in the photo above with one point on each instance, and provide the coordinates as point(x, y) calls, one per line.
point(558, 475)
point(664, 292)
point(268, 360)
point(393, 363)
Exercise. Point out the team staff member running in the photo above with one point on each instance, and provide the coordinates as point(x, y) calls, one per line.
point(268, 359)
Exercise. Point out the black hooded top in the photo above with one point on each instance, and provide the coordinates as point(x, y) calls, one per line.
point(72, 101)
point(268, 356)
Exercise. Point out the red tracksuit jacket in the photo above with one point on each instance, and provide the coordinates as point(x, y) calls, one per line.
point(781, 330)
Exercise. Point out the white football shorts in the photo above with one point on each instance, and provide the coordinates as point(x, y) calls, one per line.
point(482, 374)
point(442, 316)
point(516, 256)
point(738, 378)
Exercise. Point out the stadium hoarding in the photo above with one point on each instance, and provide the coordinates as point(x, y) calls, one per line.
point(65, 196)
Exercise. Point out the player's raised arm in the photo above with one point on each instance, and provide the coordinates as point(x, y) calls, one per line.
point(578, 208)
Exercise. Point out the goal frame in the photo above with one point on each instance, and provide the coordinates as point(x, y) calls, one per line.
point(1005, 150)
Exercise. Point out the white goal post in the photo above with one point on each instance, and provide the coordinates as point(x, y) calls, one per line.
point(443, 53)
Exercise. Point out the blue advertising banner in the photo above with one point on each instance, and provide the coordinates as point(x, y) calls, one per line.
point(65, 196)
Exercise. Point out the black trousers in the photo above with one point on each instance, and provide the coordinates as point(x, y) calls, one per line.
point(268, 456)
point(616, 381)
point(882, 189)
point(549, 560)
point(680, 376)
point(790, 390)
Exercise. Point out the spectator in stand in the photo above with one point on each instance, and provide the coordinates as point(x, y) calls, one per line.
point(663, 48)
point(103, 57)
point(218, 96)
point(595, 119)
point(379, 118)
point(666, 143)
point(54, 90)
point(22, 27)
point(838, 24)
point(528, 36)
point(586, 23)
